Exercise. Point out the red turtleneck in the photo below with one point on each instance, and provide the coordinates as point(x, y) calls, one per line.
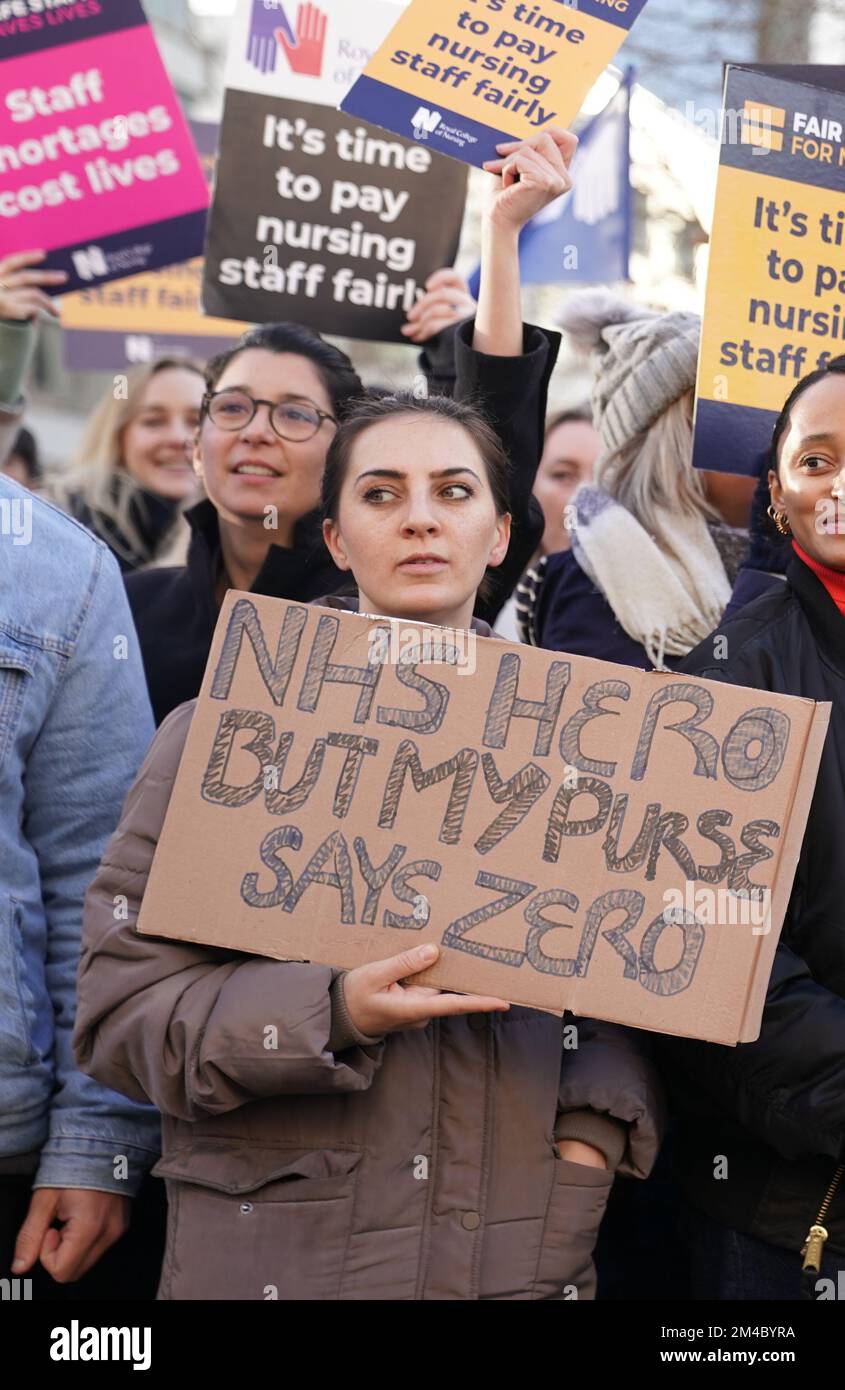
point(833, 580)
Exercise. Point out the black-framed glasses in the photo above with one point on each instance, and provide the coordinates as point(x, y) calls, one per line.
point(234, 409)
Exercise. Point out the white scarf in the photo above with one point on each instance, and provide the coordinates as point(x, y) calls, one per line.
point(667, 599)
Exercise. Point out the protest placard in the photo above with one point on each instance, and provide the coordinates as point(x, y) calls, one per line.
point(465, 75)
point(573, 834)
point(97, 166)
point(148, 316)
point(316, 216)
point(775, 306)
point(304, 51)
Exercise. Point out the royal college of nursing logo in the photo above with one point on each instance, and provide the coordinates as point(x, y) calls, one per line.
point(303, 44)
point(424, 122)
point(90, 263)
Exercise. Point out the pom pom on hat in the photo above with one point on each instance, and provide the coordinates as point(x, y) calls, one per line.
point(644, 361)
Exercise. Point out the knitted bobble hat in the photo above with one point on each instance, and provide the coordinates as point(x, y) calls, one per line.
point(644, 361)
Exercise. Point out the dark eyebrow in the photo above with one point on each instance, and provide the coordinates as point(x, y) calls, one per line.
point(450, 473)
point(287, 396)
point(822, 438)
point(396, 473)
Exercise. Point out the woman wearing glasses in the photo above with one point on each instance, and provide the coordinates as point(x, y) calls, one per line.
point(270, 412)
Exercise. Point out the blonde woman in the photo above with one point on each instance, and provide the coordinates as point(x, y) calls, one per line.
point(650, 569)
point(133, 471)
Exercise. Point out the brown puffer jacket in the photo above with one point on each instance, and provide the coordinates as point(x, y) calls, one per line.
point(421, 1167)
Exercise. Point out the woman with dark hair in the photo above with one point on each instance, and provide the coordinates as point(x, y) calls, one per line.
point(268, 417)
point(400, 1142)
point(774, 1110)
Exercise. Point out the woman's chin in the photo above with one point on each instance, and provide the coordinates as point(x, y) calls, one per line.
point(428, 602)
point(177, 486)
point(830, 549)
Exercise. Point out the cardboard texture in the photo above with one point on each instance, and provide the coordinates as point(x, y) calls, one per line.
point(575, 835)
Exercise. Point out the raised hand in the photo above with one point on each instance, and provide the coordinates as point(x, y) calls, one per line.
point(305, 55)
point(21, 296)
point(378, 1002)
point(533, 174)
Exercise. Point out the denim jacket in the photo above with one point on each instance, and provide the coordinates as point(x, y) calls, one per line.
point(75, 722)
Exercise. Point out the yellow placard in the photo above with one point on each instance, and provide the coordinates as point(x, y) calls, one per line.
point(776, 289)
point(163, 301)
point(465, 74)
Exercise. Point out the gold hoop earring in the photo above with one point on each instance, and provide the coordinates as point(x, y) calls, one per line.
point(780, 519)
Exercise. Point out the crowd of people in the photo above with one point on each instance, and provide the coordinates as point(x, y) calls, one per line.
point(149, 1145)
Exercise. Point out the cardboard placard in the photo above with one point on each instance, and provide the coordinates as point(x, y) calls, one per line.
point(466, 75)
point(97, 166)
point(774, 306)
point(354, 785)
point(148, 316)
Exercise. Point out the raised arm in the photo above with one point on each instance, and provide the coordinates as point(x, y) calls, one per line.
point(529, 175)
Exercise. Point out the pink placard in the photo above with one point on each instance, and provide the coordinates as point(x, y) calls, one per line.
point(120, 157)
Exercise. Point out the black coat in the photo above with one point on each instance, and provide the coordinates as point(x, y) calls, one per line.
point(153, 517)
point(175, 610)
point(775, 1108)
point(572, 615)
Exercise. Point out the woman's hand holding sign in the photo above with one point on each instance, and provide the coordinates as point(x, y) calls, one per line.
point(447, 300)
point(21, 295)
point(532, 173)
point(378, 1001)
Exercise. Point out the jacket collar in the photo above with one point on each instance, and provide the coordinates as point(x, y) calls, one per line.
point(348, 603)
point(282, 571)
point(826, 622)
point(151, 515)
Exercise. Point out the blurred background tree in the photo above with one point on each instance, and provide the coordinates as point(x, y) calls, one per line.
point(679, 51)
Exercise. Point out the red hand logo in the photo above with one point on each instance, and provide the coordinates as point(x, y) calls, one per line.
point(306, 55)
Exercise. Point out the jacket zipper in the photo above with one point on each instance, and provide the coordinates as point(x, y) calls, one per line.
point(425, 1241)
point(813, 1247)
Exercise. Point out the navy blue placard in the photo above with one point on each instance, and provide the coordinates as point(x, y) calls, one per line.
point(376, 102)
point(731, 438)
point(87, 19)
point(101, 349)
point(170, 241)
point(742, 85)
point(622, 13)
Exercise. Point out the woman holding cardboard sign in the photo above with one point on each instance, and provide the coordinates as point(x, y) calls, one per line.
point(394, 1141)
point(769, 1117)
point(271, 408)
point(390, 1141)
